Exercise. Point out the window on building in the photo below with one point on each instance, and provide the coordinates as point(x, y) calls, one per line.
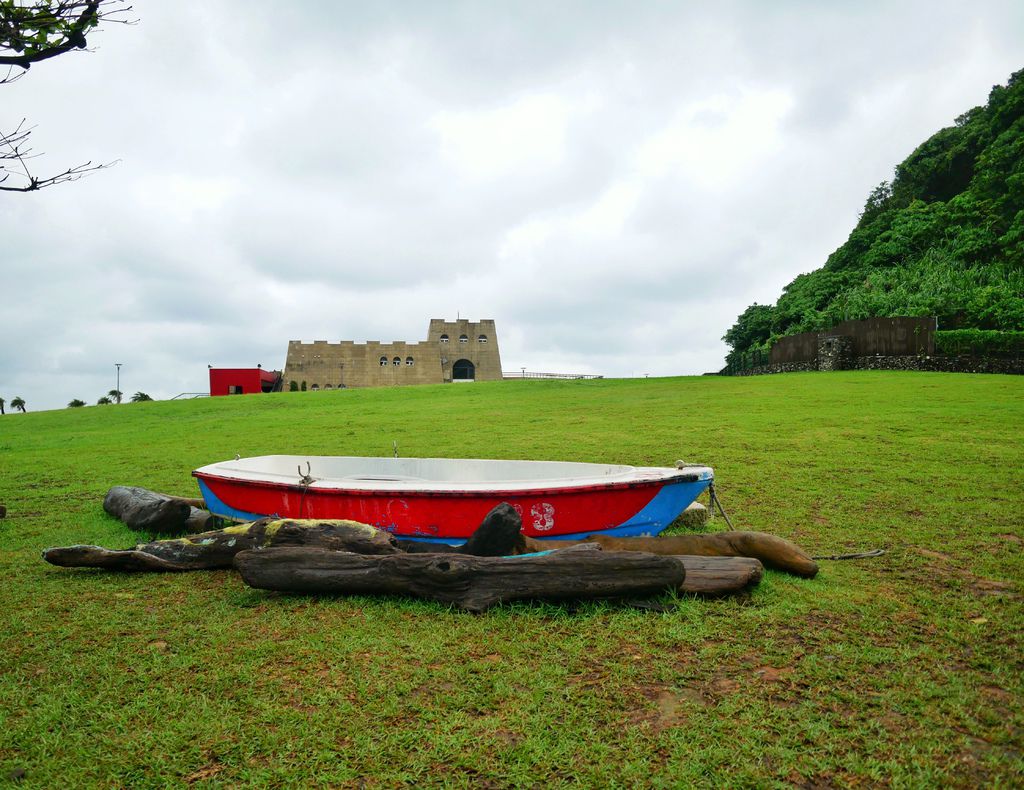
point(481, 339)
point(409, 361)
point(463, 338)
point(444, 338)
point(396, 361)
point(383, 362)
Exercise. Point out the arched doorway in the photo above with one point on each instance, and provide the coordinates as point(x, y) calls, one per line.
point(463, 370)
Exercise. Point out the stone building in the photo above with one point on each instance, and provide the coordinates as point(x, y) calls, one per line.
point(454, 351)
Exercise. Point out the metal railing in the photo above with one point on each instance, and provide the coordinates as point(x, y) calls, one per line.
point(526, 374)
point(184, 395)
point(746, 361)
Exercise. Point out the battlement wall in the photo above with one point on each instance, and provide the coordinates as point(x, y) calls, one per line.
point(453, 350)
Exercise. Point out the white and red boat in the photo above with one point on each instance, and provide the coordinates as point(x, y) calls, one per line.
point(444, 499)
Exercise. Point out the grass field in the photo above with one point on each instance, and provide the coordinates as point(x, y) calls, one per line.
point(904, 671)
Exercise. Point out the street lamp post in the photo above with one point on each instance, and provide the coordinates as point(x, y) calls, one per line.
point(117, 388)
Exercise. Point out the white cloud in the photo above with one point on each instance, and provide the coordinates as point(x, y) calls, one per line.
point(528, 134)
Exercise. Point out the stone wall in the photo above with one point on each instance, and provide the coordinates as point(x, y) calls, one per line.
point(780, 367)
point(835, 352)
point(945, 364)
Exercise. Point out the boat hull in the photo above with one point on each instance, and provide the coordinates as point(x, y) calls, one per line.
point(627, 508)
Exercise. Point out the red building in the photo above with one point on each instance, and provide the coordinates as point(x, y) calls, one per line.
point(243, 381)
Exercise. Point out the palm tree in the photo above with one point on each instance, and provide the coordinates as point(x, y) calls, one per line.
point(18, 403)
point(104, 401)
point(138, 397)
point(114, 396)
point(77, 403)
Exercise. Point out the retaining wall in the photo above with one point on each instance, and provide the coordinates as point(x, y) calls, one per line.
point(945, 364)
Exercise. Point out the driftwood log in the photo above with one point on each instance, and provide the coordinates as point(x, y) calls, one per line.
point(499, 535)
point(772, 551)
point(470, 582)
point(149, 511)
point(717, 576)
point(217, 549)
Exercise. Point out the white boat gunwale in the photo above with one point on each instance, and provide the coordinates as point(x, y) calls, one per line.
point(614, 476)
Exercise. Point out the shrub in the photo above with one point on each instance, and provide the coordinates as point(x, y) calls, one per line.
point(979, 342)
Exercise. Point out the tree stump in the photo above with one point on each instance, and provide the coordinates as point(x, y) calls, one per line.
point(470, 582)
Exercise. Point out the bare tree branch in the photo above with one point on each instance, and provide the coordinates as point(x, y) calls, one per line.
point(31, 32)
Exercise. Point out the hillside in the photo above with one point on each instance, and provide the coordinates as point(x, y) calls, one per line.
point(944, 238)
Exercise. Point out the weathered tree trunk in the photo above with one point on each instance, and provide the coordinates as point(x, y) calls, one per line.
point(149, 511)
point(772, 551)
point(470, 582)
point(218, 548)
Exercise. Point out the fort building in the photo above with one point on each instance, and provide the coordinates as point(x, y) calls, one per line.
point(454, 351)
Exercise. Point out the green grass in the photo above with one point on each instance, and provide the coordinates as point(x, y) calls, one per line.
point(904, 670)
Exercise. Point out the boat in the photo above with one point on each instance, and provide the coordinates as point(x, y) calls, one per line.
point(444, 499)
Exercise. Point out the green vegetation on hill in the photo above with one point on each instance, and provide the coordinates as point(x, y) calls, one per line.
point(902, 671)
point(944, 238)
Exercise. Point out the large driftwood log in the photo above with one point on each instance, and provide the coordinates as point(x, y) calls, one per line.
point(150, 511)
point(772, 551)
point(217, 549)
point(470, 582)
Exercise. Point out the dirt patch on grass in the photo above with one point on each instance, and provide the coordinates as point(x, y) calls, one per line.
point(979, 586)
point(773, 674)
point(208, 771)
point(723, 687)
point(663, 707)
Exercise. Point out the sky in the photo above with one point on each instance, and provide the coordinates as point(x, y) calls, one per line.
point(611, 182)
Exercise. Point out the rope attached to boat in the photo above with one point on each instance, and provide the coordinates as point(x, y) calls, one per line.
point(714, 500)
point(863, 555)
point(305, 480)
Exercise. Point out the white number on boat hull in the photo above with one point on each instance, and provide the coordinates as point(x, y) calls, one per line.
point(543, 516)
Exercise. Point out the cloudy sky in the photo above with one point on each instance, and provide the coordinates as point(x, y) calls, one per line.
point(612, 182)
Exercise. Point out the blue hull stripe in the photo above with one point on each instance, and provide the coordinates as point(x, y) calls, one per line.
point(216, 506)
point(659, 513)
